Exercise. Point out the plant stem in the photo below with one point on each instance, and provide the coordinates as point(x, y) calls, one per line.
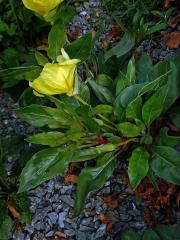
point(77, 97)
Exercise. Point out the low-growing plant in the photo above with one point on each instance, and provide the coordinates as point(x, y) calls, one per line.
point(99, 113)
point(129, 114)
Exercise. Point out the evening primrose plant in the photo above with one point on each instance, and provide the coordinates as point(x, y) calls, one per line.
point(104, 120)
point(93, 108)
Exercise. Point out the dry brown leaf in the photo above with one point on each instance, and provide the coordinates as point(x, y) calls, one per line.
point(174, 20)
point(59, 235)
point(70, 178)
point(104, 219)
point(167, 3)
point(173, 40)
point(14, 212)
point(111, 201)
point(114, 32)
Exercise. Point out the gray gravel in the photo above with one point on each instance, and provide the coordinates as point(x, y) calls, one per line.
point(52, 202)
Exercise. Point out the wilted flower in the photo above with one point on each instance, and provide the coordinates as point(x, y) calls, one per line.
point(42, 7)
point(57, 78)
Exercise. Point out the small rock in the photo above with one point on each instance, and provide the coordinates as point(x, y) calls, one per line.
point(69, 232)
point(68, 200)
point(53, 217)
point(61, 219)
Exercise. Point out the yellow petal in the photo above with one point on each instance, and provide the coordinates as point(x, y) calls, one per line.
point(42, 7)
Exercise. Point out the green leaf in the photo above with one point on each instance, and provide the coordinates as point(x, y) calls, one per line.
point(154, 84)
point(125, 45)
point(5, 228)
point(84, 91)
point(39, 116)
point(43, 166)
point(167, 232)
point(150, 235)
point(166, 164)
point(138, 166)
point(128, 129)
point(65, 14)
point(158, 70)
point(163, 139)
point(93, 152)
point(41, 59)
point(81, 48)
point(159, 101)
point(18, 71)
point(156, 27)
point(175, 116)
point(84, 113)
point(122, 83)
point(28, 98)
point(56, 40)
point(131, 72)
point(102, 108)
point(130, 235)
point(92, 179)
point(52, 139)
point(102, 93)
point(104, 80)
point(143, 66)
point(130, 93)
point(134, 109)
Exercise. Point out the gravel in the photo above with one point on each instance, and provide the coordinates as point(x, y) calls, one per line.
point(53, 201)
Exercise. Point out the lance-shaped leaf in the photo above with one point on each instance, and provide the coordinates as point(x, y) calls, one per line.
point(125, 45)
point(52, 139)
point(130, 235)
point(81, 48)
point(131, 72)
point(163, 139)
point(167, 232)
point(138, 166)
point(128, 129)
point(150, 235)
point(44, 165)
point(92, 179)
point(133, 110)
point(166, 164)
point(39, 116)
point(93, 152)
point(5, 227)
point(56, 40)
point(102, 93)
point(160, 101)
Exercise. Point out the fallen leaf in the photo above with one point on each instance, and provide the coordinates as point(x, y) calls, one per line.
point(174, 20)
point(104, 219)
point(114, 32)
point(14, 212)
point(173, 40)
point(167, 3)
point(111, 201)
point(59, 235)
point(70, 178)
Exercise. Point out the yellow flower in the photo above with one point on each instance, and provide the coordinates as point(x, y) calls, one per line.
point(57, 78)
point(42, 7)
